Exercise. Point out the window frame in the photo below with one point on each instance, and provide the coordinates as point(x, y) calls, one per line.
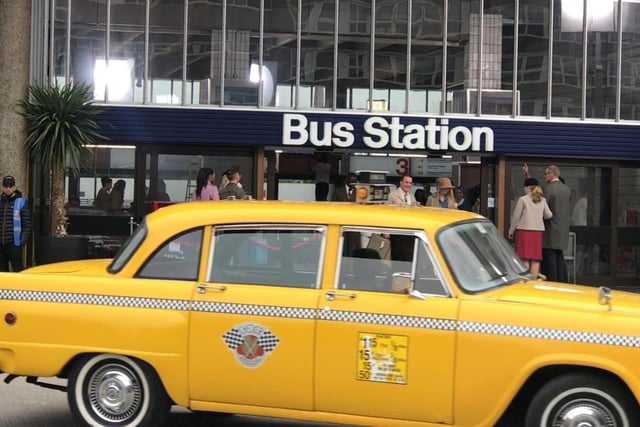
point(262, 227)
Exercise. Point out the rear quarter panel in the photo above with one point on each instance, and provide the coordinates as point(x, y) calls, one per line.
point(61, 316)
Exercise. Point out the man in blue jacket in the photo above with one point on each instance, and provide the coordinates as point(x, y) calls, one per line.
point(15, 223)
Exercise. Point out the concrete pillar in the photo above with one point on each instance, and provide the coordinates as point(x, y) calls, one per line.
point(15, 26)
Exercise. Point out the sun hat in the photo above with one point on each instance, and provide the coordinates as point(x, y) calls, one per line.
point(443, 183)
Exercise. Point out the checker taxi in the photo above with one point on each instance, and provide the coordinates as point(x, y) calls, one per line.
point(345, 313)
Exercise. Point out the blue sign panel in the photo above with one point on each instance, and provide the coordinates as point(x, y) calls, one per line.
point(416, 134)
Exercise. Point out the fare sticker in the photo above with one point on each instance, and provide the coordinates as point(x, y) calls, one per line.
point(382, 358)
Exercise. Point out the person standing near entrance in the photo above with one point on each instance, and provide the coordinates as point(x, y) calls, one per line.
point(556, 234)
point(527, 225)
point(102, 198)
point(205, 187)
point(322, 171)
point(232, 190)
point(444, 197)
point(15, 219)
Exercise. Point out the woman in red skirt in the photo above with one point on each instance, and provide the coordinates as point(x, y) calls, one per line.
point(527, 224)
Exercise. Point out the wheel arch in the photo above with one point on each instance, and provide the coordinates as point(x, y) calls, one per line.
point(515, 412)
point(80, 357)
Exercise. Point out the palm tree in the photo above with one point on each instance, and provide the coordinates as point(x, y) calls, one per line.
point(61, 122)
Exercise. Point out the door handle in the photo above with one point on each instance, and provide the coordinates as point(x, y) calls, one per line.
point(331, 295)
point(203, 288)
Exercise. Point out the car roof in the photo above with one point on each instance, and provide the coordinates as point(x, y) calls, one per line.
point(193, 214)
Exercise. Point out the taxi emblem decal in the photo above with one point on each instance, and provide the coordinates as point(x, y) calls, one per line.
point(250, 343)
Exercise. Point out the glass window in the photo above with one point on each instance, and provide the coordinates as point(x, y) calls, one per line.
point(262, 255)
point(426, 56)
point(462, 53)
point(354, 59)
point(630, 92)
point(166, 21)
point(316, 62)
point(242, 53)
point(602, 44)
point(204, 52)
point(123, 77)
point(177, 259)
point(479, 257)
point(566, 89)
point(628, 252)
point(279, 51)
point(390, 60)
point(174, 179)
point(88, 39)
point(372, 260)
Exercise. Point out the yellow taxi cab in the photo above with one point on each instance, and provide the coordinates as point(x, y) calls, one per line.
point(332, 312)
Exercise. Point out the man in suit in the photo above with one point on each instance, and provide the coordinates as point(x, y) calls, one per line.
point(402, 196)
point(345, 190)
point(402, 246)
point(556, 233)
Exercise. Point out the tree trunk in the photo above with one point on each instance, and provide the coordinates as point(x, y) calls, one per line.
point(58, 212)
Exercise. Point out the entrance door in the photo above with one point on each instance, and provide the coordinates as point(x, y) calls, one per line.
point(253, 318)
point(381, 352)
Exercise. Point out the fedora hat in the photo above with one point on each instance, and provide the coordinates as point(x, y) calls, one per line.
point(443, 183)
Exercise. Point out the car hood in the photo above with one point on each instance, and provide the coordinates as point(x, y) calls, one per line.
point(91, 267)
point(565, 295)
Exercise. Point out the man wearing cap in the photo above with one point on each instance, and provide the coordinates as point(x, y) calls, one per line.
point(15, 220)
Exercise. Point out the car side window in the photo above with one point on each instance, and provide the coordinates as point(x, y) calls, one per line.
point(274, 256)
point(371, 258)
point(177, 259)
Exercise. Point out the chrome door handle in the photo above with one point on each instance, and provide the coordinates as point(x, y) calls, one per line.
point(331, 295)
point(203, 288)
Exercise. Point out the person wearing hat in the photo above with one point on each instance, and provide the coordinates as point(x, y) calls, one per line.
point(15, 220)
point(444, 197)
point(527, 225)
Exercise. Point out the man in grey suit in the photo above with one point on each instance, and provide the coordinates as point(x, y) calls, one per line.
point(556, 233)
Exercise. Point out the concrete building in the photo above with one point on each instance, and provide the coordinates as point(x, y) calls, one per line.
point(470, 89)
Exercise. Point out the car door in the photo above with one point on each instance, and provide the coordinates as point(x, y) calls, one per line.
point(253, 317)
point(383, 350)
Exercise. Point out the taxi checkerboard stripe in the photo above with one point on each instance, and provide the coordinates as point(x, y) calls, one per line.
point(329, 315)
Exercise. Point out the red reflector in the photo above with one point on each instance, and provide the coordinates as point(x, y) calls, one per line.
point(10, 318)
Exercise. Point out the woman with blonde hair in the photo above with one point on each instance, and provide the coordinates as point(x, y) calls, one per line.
point(444, 197)
point(527, 224)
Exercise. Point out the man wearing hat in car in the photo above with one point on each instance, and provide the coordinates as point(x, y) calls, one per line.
point(15, 220)
point(444, 197)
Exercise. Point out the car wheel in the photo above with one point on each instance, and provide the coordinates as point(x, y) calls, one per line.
point(582, 400)
point(112, 390)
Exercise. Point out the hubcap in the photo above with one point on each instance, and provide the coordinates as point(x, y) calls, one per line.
point(114, 393)
point(584, 413)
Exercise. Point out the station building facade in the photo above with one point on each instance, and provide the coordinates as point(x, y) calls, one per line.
point(471, 89)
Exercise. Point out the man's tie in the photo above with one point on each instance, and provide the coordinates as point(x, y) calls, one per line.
point(406, 202)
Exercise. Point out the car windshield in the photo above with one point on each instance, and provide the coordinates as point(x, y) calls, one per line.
point(128, 248)
point(479, 256)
